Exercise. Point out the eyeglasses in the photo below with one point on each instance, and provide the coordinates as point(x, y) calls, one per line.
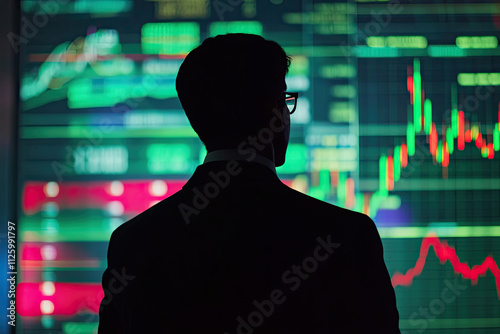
point(291, 101)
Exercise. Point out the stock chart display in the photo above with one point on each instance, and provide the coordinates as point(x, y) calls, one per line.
point(398, 117)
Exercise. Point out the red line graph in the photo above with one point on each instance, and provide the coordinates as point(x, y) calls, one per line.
point(444, 252)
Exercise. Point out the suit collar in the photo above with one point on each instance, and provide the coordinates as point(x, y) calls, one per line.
point(226, 155)
point(241, 170)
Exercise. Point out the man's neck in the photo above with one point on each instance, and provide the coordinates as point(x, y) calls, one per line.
point(235, 154)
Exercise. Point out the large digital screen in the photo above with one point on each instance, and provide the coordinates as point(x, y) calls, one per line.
point(398, 117)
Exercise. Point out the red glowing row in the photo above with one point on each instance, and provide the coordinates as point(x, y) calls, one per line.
point(130, 196)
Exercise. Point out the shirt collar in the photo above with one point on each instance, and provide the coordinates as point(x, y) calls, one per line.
point(224, 155)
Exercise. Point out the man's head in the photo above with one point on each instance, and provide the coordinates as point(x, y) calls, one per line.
point(231, 86)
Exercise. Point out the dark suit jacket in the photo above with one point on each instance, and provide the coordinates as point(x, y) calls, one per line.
point(248, 255)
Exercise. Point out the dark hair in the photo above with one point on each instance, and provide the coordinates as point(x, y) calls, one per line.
point(226, 84)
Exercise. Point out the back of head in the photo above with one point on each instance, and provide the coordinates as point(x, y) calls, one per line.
point(228, 84)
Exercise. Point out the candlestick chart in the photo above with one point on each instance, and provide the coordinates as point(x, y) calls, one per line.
point(398, 117)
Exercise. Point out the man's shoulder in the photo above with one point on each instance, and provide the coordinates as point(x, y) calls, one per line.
point(162, 213)
point(314, 205)
point(297, 208)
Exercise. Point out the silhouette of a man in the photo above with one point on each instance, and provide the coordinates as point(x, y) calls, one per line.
point(236, 250)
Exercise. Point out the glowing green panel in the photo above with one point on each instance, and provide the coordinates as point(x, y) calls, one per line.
point(338, 71)
point(413, 42)
point(479, 79)
point(86, 93)
point(317, 192)
point(169, 158)
point(79, 327)
point(477, 42)
point(296, 159)
point(170, 38)
point(445, 51)
point(247, 27)
point(91, 160)
point(375, 41)
point(299, 66)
